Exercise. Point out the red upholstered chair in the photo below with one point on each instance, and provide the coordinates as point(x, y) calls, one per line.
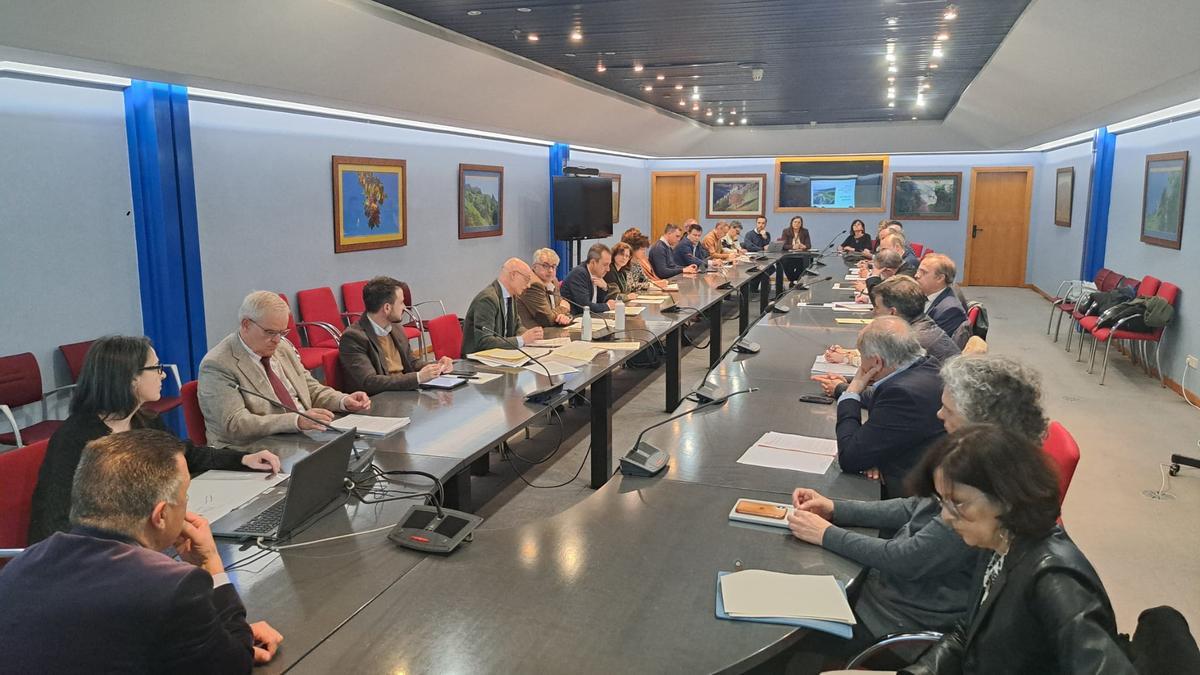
point(21, 384)
point(445, 333)
point(352, 300)
point(919, 249)
point(331, 365)
point(1147, 287)
point(192, 417)
point(1167, 291)
point(1067, 296)
point(1103, 286)
point(18, 477)
point(1062, 449)
point(320, 317)
point(310, 357)
point(417, 327)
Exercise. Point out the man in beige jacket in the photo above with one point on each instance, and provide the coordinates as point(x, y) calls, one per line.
point(259, 358)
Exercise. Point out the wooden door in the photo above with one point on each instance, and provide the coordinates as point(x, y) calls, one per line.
point(674, 197)
point(998, 226)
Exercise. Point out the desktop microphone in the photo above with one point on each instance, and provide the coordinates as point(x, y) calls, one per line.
point(645, 459)
point(704, 392)
point(545, 396)
point(817, 262)
point(361, 461)
point(727, 285)
point(802, 287)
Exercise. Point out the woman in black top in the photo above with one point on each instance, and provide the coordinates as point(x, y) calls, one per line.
point(625, 278)
point(795, 238)
point(858, 241)
point(119, 375)
point(1040, 607)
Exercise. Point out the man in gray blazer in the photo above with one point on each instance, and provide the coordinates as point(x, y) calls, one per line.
point(491, 320)
point(259, 358)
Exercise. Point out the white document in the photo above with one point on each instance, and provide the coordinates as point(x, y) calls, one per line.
point(620, 346)
point(651, 300)
point(853, 277)
point(671, 287)
point(215, 493)
point(597, 324)
point(370, 425)
point(822, 366)
point(760, 593)
point(839, 287)
point(484, 378)
point(629, 311)
point(792, 452)
point(851, 307)
point(551, 342)
point(555, 366)
point(579, 352)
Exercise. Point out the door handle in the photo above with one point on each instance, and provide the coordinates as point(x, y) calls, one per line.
point(975, 230)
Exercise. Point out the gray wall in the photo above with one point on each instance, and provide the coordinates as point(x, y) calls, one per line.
point(1128, 255)
point(944, 236)
point(1056, 252)
point(265, 209)
point(68, 261)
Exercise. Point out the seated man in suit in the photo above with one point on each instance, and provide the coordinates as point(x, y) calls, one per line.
point(894, 239)
point(662, 254)
point(585, 285)
point(757, 239)
point(491, 320)
point(689, 251)
point(540, 304)
point(258, 358)
point(713, 242)
point(103, 598)
point(374, 353)
point(902, 405)
point(936, 277)
point(885, 264)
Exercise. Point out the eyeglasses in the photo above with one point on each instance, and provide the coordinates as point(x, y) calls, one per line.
point(544, 264)
point(158, 367)
point(273, 334)
point(952, 507)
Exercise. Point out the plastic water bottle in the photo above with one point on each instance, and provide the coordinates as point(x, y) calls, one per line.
point(587, 325)
point(619, 310)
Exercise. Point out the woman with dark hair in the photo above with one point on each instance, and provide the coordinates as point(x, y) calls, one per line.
point(795, 238)
point(857, 241)
point(1039, 605)
point(642, 271)
point(119, 376)
point(620, 278)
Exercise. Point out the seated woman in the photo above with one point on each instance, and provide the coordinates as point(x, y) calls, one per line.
point(921, 578)
point(639, 246)
point(120, 375)
point(858, 241)
point(625, 279)
point(1037, 604)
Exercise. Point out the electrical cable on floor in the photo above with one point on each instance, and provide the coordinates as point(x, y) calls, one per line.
point(1164, 490)
point(552, 454)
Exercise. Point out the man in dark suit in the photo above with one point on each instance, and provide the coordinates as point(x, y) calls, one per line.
point(936, 278)
point(885, 264)
point(662, 254)
point(895, 241)
point(374, 353)
point(689, 251)
point(491, 320)
point(585, 285)
point(902, 405)
point(757, 239)
point(103, 598)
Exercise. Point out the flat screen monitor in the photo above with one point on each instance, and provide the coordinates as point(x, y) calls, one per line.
point(830, 183)
point(582, 207)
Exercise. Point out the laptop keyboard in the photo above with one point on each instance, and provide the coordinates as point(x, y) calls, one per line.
point(266, 522)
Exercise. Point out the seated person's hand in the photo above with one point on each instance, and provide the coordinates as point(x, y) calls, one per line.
point(612, 304)
point(860, 286)
point(429, 372)
point(266, 641)
point(631, 296)
point(447, 364)
point(195, 544)
point(690, 269)
point(807, 527)
point(263, 460)
point(813, 502)
point(661, 283)
point(862, 267)
point(357, 402)
point(873, 474)
point(829, 383)
point(599, 283)
point(532, 335)
point(562, 319)
point(306, 424)
point(564, 306)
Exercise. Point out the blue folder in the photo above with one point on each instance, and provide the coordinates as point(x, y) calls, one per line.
point(832, 627)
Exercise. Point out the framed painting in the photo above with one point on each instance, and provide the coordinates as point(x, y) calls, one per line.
point(480, 201)
point(736, 195)
point(616, 187)
point(370, 208)
point(1064, 192)
point(926, 195)
point(1163, 198)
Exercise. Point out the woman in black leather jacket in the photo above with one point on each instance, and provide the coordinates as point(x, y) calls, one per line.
point(1040, 607)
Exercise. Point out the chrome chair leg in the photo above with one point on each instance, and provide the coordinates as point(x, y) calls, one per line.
point(1095, 343)
point(1104, 369)
point(1162, 378)
point(1082, 336)
point(1070, 332)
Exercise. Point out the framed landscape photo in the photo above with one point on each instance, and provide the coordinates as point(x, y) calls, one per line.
point(736, 195)
point(1064, 192)
point(480, 201)
point(926, 195)
point(370, 208)
point(1163, 199)
point(616, 187)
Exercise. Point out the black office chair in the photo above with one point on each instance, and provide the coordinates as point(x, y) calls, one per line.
point(894, 651)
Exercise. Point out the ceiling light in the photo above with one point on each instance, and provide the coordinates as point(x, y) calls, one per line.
point(892, 69)
point(731, 124)
point(637, 68)
point(733, 112)
point(600, 68)
point(891, 104)
point(648, 87)
point(695, 89)
point(569, 55)
point(576, 35)
point(695, 77)
point(708, 113)
point(891, 78)
point(942, 37)
point(933, 65)
point(745, 120)
point(695, 97)
point(925, 86)
point(474, 12)
point(720, 120)
point(951, 12)
point(891, 92)
point(695, 106)
point(891, 58)
point(921, 99)
point(937, 52)
point(891, 47)
point(682, 103)
point(914, 118)
point(524, 10)
point(661, 77)
point(533, 37)
point(892, 21)
point(679, 87)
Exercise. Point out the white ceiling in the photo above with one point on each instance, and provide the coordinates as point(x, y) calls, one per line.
point(1067, 66)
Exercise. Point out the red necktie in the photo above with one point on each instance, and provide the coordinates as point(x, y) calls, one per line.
point(281, 392)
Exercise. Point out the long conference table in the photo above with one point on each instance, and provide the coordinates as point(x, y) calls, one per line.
point(623, 581)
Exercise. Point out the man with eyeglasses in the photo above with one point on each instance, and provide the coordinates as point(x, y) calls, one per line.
point(259, 358)
point(540, 304)
point(491, 320)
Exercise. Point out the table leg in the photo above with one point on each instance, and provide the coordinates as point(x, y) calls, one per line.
point(673, 339)
point(481, 466)
point(601, 430)
point(714, 334)
point(779, 277)
point(744, 307)
point(764, 292)
point(458, 491)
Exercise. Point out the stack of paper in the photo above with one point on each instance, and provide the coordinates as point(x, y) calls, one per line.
point(213, 494)
point(550, 365)
point(370, 425)
point(578, 352)
point(762, 594)
point(671, 287)
point(853, 321)
point(853, 277)
point(791, 451)
point(823, 367)
point(839, 287)
point(507, 358)
point(551, 342)
point(629, 311)
point(851, 307)
point(621, 346)
point(650, 300)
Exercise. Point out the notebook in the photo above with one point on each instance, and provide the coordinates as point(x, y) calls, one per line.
point(839, 629)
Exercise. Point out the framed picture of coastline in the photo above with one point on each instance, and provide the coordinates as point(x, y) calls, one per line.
point(480, 201)
point(736, 195)
point(370, 207)
point(1064, 192)
point(926, 195)
point(1163, 199)
point(616, 187)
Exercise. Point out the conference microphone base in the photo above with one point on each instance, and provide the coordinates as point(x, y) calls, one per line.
point(604, 335)
point(425, 528)
point(546, 396)
point(754, 269)
point(704, 394)
point(673, 309)
point(644, 460)
point(359, 467)
point(746, 347)
point(725, 286)
point(779, 309)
